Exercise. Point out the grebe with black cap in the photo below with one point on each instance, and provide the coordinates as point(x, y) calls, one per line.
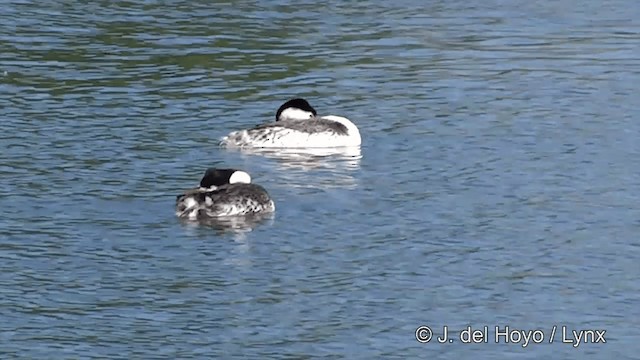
point(297, 125)
point(224, 192)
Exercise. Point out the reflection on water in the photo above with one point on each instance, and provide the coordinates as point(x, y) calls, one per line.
point(347, 158)
point(231, 224)
point(235, 228)
point(334, 167)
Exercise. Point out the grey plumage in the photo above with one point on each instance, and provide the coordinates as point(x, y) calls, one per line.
point(226, 200)
point(311, 126)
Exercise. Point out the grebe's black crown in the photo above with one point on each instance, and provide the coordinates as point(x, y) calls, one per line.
point(216, 177)
point(298, 103)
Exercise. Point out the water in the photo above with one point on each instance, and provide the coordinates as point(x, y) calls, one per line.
point(497, 183)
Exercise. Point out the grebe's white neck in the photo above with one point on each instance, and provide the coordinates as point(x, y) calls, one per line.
point(295, 114)
point(240, 177)
point(207, 189)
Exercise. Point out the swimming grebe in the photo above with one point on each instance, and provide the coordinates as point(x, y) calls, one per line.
point(297, 125)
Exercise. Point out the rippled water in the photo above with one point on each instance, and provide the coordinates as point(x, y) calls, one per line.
point(497, 183)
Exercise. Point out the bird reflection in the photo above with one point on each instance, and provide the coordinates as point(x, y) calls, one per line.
point(232, 224)
point(335, 165)
point(311, 158)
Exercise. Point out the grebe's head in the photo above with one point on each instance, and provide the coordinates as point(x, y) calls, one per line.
point(295, 109)
point(214, 178)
